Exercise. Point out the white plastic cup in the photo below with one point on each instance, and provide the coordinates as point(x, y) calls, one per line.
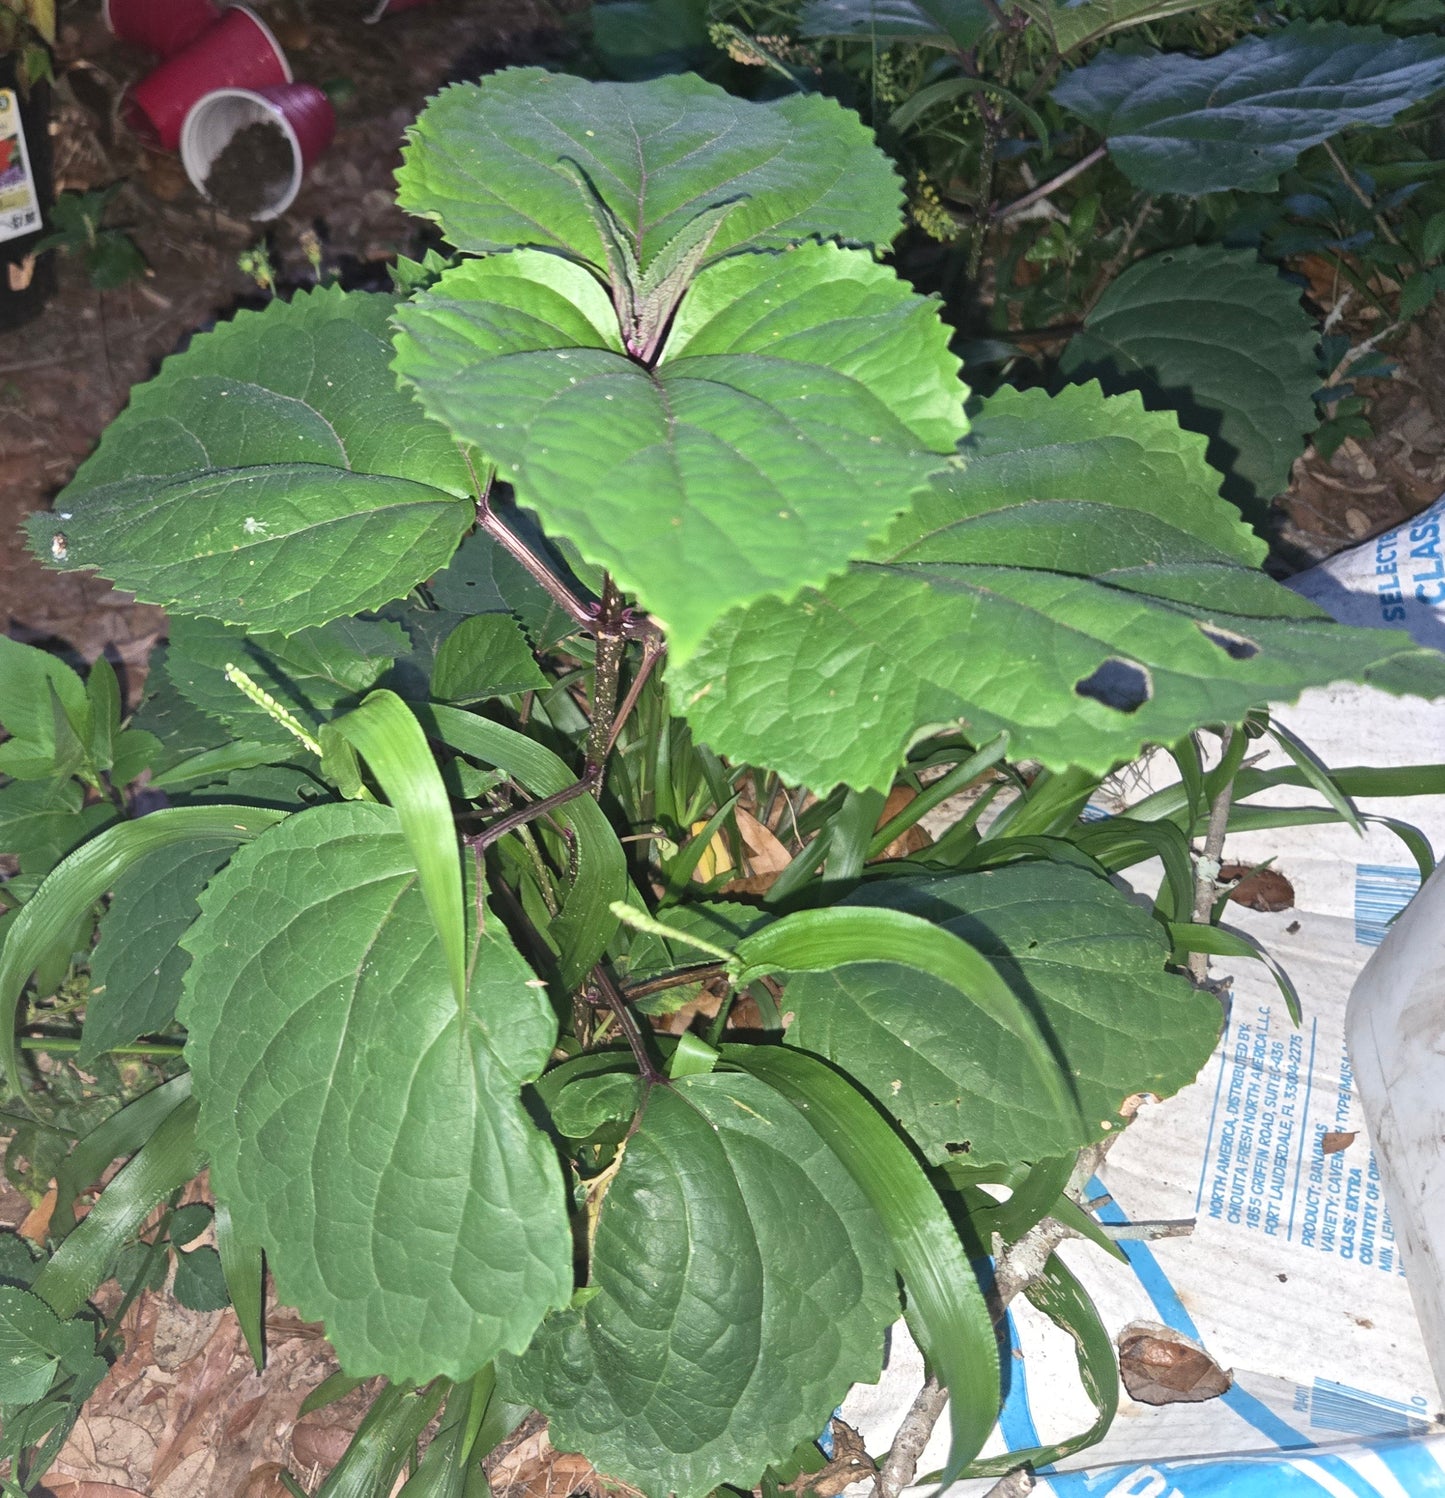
point(1395, 1030)
point(300, 111)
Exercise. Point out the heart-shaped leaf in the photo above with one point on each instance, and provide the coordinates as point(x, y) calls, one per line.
point(1084, 959)
point(323, 1028)
point(496, 164)
point(1086, 609)
point(740, 1282)
point(797, 401)
point(271, 475)
point(1220, 338)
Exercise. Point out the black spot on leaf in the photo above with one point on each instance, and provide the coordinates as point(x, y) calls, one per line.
point(1236, 647)
point(1122, 685)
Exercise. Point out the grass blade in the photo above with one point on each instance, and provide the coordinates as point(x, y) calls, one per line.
point(945, 1305)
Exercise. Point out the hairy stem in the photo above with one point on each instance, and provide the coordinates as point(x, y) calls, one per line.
point(607, 629)
point(612, 999)
point(529, 813)
point(491, 523)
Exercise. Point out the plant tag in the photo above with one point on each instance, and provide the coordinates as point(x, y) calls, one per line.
point(19, 205)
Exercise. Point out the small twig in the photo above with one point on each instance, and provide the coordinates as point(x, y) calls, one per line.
point(529, 813)
point(1348, 178)
point(1014, 1268)
point(902, 1464)
point(1206, 867)
point(1148, 1232)
point(1119, 260)
point(1031, 197)
point(1013, 1484)
point(701, 974)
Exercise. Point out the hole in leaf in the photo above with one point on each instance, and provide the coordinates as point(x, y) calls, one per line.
point(1122, 685)
point(1236, 647)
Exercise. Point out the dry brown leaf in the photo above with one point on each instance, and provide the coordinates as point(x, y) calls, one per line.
point(1258, 889)
point(263, 1482)
point(1162, 1366)
point(36, 1226)
point(911, 841)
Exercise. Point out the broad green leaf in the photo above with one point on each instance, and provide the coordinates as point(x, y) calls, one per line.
point(180, 728)
point(70, 890)
point(1087, 963)
point(199, 1283)
point(437, 1235)
point(944, 1302)
point(797, 402)
point(487, 162)
point(137, 968)
point(864, 932)
point(311, 673)
point(35, 1345)
point(1219, 337)
point(27, 678)
point(643, 38)
point(1058, 605)
point(271, 475)
point(952, 24)
point(40, 823)
point(483, 657)
point(1182, 124)
point(384, 732)
point(742, 1284)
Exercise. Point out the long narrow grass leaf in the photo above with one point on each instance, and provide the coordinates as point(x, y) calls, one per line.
point(1223, 941)
point(68, 891)
point(386, 734)
point(167, 1160)
point(586, 923)
point(945, 1305)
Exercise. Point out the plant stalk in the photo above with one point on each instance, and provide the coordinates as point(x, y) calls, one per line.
point(626, 1021)
point(1066, 176)
point(607, 630)
point(1206, 868)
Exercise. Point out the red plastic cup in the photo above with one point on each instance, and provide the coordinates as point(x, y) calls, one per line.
point(162, 26)
point(303, 113)
point(237, 52)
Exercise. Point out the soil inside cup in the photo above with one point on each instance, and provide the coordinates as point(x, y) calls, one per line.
point(252, 170)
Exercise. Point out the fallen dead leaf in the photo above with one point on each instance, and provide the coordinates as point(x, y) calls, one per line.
point(911, 841)
point(36, 1226)
point(1162, 1366)
point(1258, 889)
